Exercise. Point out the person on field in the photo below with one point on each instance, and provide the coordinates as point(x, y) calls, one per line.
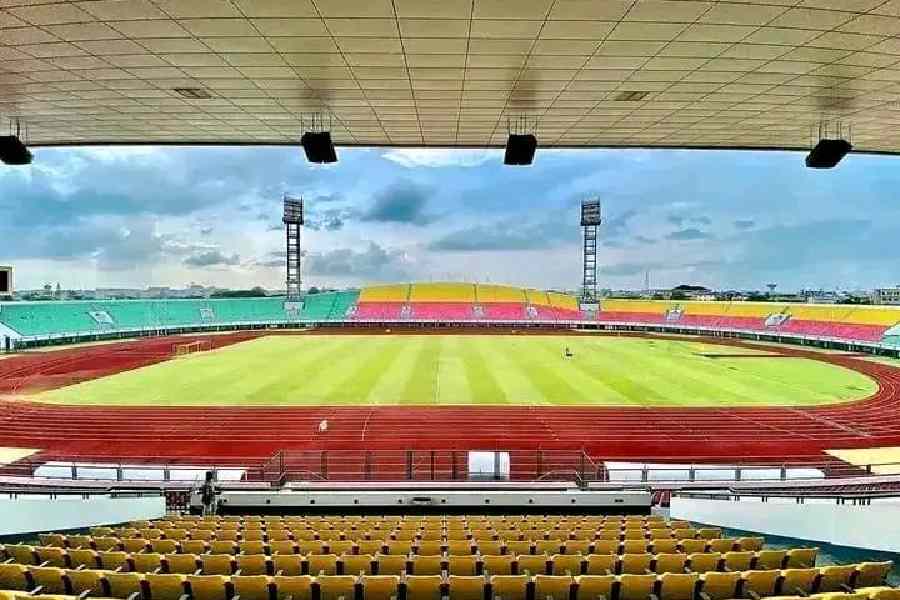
point(323, 426)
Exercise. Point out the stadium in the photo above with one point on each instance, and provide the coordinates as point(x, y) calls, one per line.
point(414, 434)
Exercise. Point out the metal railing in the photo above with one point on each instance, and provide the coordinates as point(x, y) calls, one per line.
point(855, 498)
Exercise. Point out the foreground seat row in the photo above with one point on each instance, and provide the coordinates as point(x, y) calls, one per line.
point(671, 586)
point(467, 563)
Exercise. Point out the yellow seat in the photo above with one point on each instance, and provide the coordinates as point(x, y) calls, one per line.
point(427, 565)
point(380, 587)
point(164, 546)
point(217, 564)
point(217, 547)
point(738, 561)
point(51, 556)
point(601, 564)
point(667, 546)
point(701, 562)
point(509, 587)
point(566, 564)
point(677, 586)
point(719, 586)
point(83, 558)
point(518, 547)
point(758, 584)
point(47, 580)
point(429, 547)
point(753, 544)
point(391, 564)
point(722, 545)
point(22, 554)
point(252, 564)
point(106, 543)
point(636, 587)
point(690, 546)
point(337, 587)
point(370, 546)
point(770, 559)
point(594, 587)
point(461, 547)
point(287, 564)
point(124, 585)
point(85, 582)
point(606, 547)
point(801, 558)
point(79, 541)
point(552, 587)
point(836, 578)
point(798, 581)
point(322, 564)
point(532, 564)
point(548, 547)
point(462, 564)
point(142, 563)
point(181, 564)
point(251, 587)
point(669, 563)
point(357, 564)
point(166, 587)
point(252, 547)
point(398, 546)
point(635, 564)
point(297, 587)
point(497, 564)
point(423, 587)
point(464, 587)
point(207, 587)
point(339, 547)
point(634, 547)
point(871, 574)
point(198, 547)
point(135, 545)
point(709, 533)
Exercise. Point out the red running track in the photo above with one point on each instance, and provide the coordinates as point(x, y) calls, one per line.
point(235, 435)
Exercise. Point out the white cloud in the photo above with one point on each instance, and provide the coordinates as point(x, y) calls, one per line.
point(441, 157)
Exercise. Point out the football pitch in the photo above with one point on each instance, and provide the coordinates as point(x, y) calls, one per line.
point(473, 369)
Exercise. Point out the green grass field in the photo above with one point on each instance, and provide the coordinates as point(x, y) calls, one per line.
point(456, 369)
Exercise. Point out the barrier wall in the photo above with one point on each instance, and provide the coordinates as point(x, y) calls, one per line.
point(20, 514)
point(876, 526)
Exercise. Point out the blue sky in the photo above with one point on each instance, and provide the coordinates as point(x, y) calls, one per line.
point(170, 216)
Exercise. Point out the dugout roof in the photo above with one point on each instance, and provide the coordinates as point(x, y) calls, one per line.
point(683, 73)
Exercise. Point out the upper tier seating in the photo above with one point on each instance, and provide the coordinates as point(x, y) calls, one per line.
point(385, 293)
point(442, 292)
point(442, 311)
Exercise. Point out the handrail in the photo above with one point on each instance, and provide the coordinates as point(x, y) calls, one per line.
point(736, 496)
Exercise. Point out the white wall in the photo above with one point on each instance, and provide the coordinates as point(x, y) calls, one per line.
point(876, 527)
point(31, 513)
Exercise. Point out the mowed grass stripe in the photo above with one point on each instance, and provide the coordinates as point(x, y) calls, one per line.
point(353, 385)
point(362, 369)
point(483, 386)
point(420, 386)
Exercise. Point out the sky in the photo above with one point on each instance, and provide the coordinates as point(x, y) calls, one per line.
point(141, 216)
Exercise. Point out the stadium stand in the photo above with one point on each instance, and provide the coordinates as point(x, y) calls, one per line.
point(414, 556)
point(449, 301)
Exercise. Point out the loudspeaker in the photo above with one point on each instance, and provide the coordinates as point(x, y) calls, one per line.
point(318, 147)
point(13, 151)
point(827, 153)
point(520, 149)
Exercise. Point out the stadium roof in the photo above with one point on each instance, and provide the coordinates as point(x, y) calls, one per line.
point(452, 72)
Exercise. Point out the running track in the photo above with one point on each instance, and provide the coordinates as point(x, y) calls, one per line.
point(234, 435)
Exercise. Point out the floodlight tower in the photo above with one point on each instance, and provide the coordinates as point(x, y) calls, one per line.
point(590, 223)
point(293, 221)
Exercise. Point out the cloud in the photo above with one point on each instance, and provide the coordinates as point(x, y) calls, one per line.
point(206, 230)
point(509, 234)
point(689, 234)
point(744, 224)
point(679, 220)
point(332, 219)
point(401, 202)
point(439, 157)
point(374, 262)
point(212, 258)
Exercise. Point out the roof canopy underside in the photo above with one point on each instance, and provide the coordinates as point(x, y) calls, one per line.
point(683, 73)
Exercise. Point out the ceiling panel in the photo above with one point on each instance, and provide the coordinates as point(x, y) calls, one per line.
point(452, 72)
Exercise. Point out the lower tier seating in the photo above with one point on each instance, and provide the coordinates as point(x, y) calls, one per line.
point(826, 583)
